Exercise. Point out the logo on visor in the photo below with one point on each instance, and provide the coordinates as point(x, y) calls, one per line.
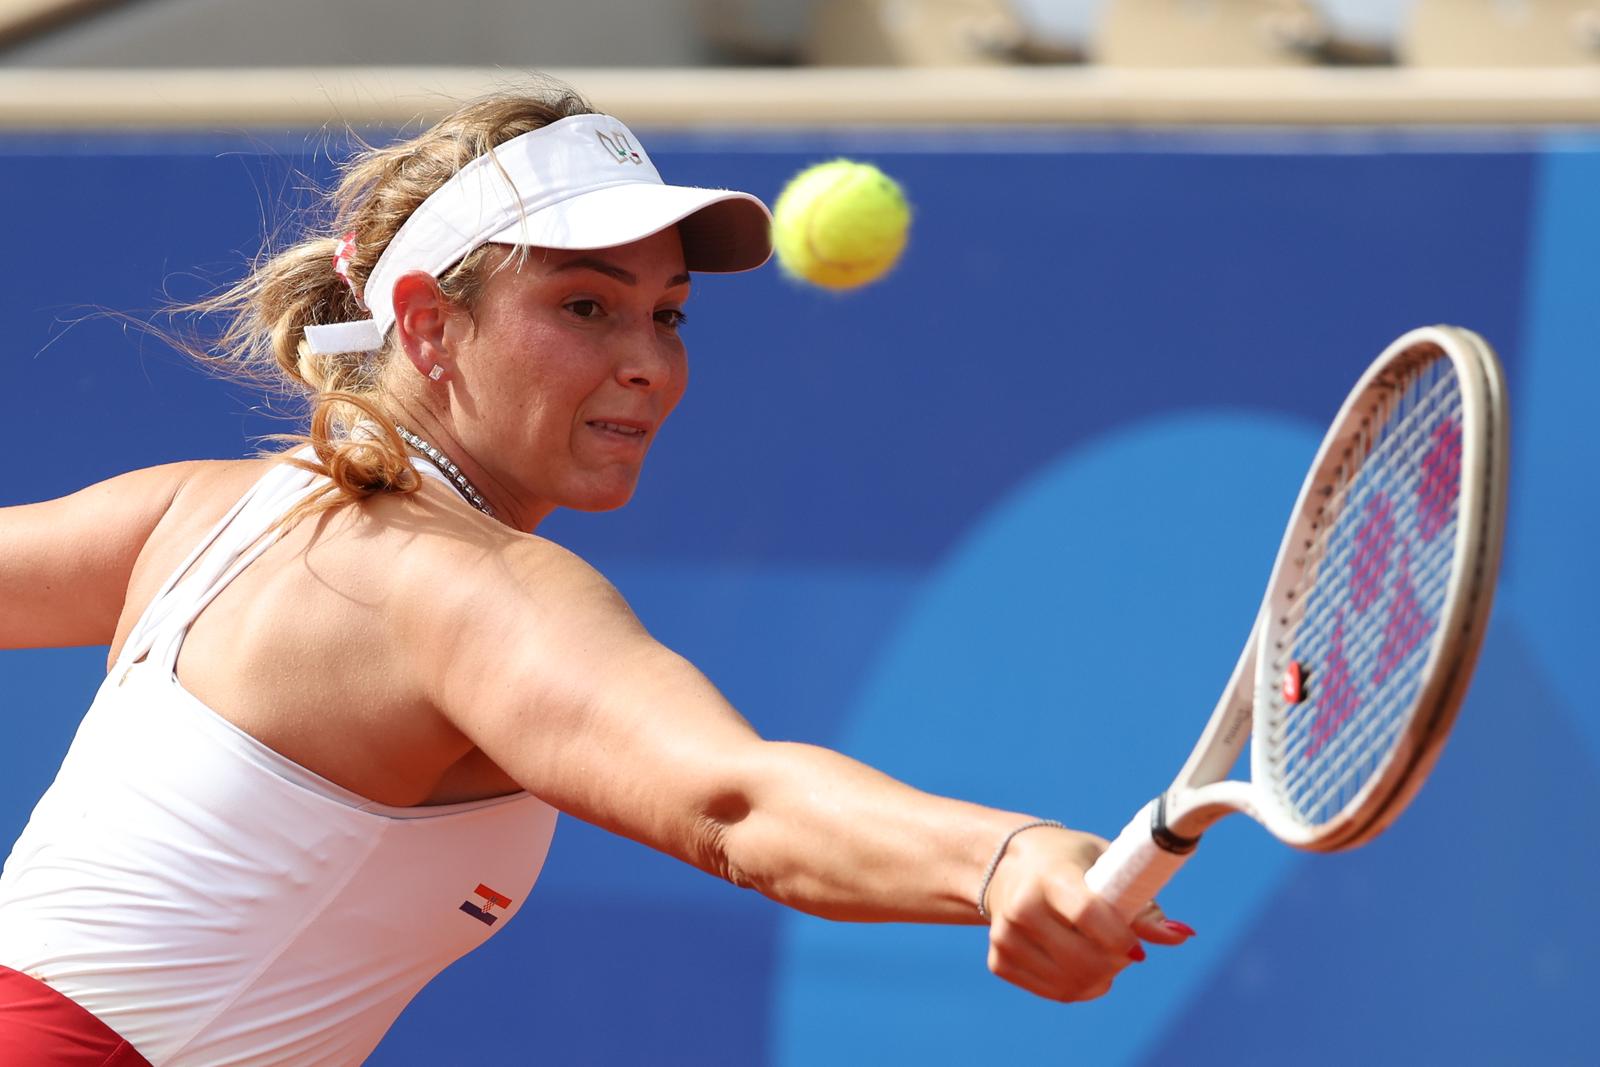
point(621, 150)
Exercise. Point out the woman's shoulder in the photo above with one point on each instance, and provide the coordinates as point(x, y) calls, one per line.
point(451, 546)
point(454, 562)
point(200, 491)
point(130, 508)
point(204, 479)
point(179, 486)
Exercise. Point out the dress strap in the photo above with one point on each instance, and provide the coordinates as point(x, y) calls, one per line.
point(237, 539)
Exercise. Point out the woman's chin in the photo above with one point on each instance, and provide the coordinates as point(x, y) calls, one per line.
point(601, 498)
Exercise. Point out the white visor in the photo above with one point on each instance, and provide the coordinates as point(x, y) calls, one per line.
point(579, 183)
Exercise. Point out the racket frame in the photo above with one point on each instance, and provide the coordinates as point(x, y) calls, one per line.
point(1462, 617)
point(1480, 534)
point(1158, 840)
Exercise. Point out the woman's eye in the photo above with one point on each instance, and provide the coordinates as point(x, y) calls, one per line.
point(672, 318)
point(585, 309)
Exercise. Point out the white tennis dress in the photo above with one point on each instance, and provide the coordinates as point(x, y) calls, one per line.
point(215, 903)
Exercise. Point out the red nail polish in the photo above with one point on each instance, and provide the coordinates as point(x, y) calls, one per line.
point(1136, 954)
point(1178, 928)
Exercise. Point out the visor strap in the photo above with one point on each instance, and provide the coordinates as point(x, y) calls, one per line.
point(336, 337)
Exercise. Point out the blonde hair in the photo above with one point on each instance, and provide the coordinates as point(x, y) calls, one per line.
point(264, 316)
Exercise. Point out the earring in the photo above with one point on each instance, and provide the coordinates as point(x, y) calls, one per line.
point(437, 372)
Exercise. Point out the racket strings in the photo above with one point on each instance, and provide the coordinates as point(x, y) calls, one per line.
point(1331, 555)
point(1362, 650)
point(1364, 659)
point(1336, 756)
point(1373, 581)
point(1347, 481)
point(1349, 488)
point(1331, 783)
point(1357, 567)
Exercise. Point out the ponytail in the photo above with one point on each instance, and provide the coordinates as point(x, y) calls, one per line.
point(350, 429)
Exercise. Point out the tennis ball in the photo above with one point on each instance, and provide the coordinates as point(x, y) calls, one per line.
point(840, 224)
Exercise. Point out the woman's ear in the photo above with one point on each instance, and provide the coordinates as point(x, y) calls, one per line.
point(421, 314)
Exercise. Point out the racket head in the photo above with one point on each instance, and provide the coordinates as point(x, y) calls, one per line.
point(1377, 603)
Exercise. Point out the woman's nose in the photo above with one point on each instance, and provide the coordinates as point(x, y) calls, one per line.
point(645, 364)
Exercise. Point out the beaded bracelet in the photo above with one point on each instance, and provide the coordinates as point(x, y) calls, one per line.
point(999, 853)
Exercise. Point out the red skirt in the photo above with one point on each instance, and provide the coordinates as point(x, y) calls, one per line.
point(42, 1028)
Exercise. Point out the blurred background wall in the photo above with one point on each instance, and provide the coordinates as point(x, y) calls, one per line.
point(694, 33)
point(506, 32)
point(997, 524)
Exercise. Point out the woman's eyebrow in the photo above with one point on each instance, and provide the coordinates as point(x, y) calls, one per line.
point(606, 267)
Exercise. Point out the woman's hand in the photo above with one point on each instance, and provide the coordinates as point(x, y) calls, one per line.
point(1048, 933)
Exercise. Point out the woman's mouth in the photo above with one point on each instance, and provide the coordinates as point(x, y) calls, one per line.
point(619, 428)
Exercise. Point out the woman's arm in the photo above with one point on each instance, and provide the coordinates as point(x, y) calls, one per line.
point(543, 667)
point(65, 564)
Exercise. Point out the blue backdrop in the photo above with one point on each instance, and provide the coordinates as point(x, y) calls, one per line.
point(997, 525)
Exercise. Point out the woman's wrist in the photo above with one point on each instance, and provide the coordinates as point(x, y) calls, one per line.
point(1000, 854)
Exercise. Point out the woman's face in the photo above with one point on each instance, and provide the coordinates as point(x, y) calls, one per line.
point(566, 369)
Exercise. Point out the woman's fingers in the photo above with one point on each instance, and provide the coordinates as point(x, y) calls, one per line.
point(1039, 984)
point(1095, 919)
point(1153, 926)
point(1075, 970)
point(1035, 943)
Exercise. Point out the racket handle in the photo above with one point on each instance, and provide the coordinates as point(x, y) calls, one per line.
point(1130, 873)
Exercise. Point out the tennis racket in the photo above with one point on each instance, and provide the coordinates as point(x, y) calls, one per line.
point(1373, 617)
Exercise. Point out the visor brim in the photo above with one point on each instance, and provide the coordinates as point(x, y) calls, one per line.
point(723, 231)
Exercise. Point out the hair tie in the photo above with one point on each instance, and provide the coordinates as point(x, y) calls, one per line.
point(343, 252)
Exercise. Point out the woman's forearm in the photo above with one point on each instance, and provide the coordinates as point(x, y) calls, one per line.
point(828, 835)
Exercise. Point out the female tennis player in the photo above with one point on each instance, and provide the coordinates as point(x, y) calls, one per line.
point(349, 688)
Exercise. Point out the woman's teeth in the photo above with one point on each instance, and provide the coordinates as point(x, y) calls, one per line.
point(616, 427)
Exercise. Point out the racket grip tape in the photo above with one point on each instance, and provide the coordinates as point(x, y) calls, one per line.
point(1142, 859)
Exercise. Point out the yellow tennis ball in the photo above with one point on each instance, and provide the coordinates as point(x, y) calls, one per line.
point(840, 224)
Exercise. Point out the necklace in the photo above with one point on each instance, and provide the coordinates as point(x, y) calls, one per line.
point(451, 472)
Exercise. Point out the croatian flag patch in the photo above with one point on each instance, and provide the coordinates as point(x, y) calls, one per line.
point(484, 912)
